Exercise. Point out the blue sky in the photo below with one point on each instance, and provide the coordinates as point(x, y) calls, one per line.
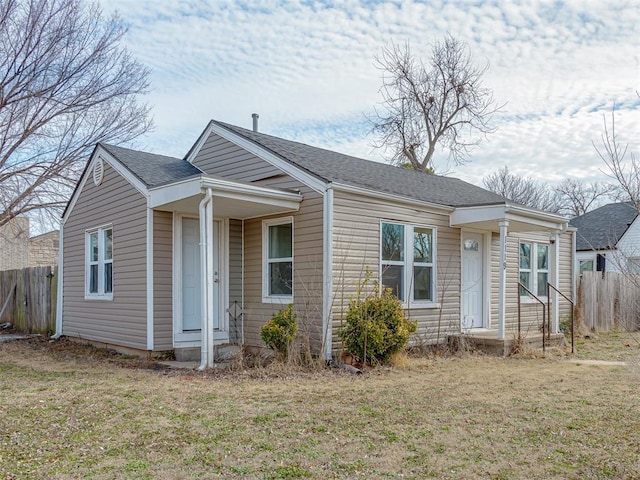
point(307, 68)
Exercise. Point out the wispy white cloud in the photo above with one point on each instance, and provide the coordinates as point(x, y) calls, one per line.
point(307, 67)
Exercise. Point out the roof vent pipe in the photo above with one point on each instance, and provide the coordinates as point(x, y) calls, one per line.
point(255, 117)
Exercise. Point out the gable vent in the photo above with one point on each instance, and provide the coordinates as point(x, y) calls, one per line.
point(98, 171)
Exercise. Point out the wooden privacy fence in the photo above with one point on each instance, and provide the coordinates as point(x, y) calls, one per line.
point(28, 299)
point(609, 300)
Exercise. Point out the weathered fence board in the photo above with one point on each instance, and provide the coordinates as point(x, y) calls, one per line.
point(31, 295)
point(610, 300)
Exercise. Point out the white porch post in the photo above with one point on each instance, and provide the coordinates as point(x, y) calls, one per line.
point(209, 293)
point(502, 285)
point(206, 262)
point(555, 279)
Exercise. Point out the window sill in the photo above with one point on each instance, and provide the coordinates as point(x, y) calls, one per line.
point(278, 300)
point(421, 305)
point(104, 298)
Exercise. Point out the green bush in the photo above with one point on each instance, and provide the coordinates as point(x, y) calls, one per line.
point(279, 332)
point(375, 327)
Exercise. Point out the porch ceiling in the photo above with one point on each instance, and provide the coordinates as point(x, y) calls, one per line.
point(521, 219)
point(230, 199)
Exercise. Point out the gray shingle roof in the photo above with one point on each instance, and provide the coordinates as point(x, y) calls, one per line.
point(153, 169)
point(339, 168)
point(602, 228)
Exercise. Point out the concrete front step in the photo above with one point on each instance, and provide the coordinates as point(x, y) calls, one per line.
point(488, 342)
point(221, 353)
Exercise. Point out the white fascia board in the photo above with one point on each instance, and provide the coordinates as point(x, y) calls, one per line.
point(465, 215)
point(298, 173)
point(113, 163)
point(538, 215)
point(488, 213)
point(174, 192)
point(340, 187)
point(223, 189)
point(243, 191)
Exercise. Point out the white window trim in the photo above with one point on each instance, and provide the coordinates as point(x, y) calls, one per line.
point(409, 302)
point(100, 294)
point(533, 271)
point(277, 299)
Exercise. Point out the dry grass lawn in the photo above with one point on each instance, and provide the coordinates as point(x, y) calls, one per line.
point(71, 412)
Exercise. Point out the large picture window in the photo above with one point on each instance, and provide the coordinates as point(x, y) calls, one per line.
point(407, 263)
point(277, 240)
point(99, 263)
point(534, 268)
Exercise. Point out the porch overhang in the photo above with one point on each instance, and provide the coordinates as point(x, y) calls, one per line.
point(231, 199)
point(519, 218)
point(505, 218)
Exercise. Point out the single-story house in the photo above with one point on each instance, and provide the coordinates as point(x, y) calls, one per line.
point(189, 254)
point(608, 239)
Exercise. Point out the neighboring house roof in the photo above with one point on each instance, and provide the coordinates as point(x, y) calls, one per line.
point(602, 228)
point(150, 168)
point(344, 169)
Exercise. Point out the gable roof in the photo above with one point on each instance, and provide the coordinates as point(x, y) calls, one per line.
point(602, 228)
point(150, 168)
point(344, 169)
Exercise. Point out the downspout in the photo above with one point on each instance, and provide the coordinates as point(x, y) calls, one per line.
point(58, 333)
point(502, 284)
point(204, 297)
point(327, 301)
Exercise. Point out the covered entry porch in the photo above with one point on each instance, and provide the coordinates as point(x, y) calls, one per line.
point(207, 255)
point(502, 245)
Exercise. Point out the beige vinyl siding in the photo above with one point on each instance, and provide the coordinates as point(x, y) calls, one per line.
point(307, 265)
point(356, 248)
point(566, 271)
point(122, 321)
point(222, 158)
point(235, 277)
point(530, 311)
point(162, 280)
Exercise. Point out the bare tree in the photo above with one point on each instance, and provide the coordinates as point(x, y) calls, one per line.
point(613, 153)
point(523, 190)
point(441, 102)
point(65, 84)
point(577, 198)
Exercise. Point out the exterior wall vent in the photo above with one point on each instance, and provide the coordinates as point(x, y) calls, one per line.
point(98, 171)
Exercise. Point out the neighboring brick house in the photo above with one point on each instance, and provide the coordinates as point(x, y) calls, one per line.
point(43, 249)
point(18, 251)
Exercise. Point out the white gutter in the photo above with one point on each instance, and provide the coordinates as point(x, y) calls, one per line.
point(204, 277)
point(58, 333)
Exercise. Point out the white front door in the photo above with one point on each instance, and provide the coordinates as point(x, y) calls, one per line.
point(191, 292)
point(191, 276)
point(472, 290)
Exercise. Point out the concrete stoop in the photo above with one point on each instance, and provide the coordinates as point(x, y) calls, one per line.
point(489, 344)
point(190, 357)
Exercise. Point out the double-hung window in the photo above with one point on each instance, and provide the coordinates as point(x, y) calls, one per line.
point(99, 263)
point(534, 268)
point(277, 256)
point(407, 262)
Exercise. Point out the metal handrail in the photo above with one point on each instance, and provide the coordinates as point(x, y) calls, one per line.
point(572, 317)
point(544, 320)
